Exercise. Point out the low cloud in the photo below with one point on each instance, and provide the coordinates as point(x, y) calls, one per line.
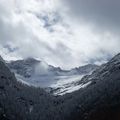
point(41, 69)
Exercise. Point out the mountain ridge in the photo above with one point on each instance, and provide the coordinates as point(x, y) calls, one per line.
point(100, 100)
point(54, 79)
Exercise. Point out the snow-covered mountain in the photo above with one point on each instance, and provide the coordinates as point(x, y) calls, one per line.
point(100, 100)
point(38, 73)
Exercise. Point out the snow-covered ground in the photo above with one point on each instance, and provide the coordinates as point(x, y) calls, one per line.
point(60, 85)
point(66, 84)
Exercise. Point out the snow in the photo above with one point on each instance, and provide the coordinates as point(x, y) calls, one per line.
point(37, 73)
point(59, 84)
point(31, 108)
point(71, 89)
point(21, 79)
point(63, 84)
point(66, 81)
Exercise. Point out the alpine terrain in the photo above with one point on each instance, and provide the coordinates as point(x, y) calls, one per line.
point(53, 79)
point(99, 100)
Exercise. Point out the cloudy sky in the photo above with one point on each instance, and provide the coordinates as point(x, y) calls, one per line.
point(65, 33)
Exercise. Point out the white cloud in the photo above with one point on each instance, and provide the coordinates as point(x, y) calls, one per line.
point(45, 30)
point(41, 69)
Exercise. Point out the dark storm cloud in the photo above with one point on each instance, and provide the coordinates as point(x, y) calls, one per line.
point(103, 13)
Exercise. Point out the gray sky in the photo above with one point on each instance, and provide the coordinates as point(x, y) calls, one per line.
point(66, 33)
point(104, 14)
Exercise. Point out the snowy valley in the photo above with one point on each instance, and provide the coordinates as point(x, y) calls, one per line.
point(53, 79)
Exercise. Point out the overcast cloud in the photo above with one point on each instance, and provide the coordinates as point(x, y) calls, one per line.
point(103, 13)
point(66, 33)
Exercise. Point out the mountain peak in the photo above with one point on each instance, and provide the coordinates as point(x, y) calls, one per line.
point(31, 60)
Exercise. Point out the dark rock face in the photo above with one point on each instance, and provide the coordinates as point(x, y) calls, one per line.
point(100, 100)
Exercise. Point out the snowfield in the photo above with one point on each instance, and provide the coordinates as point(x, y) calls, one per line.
point(59, 85)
